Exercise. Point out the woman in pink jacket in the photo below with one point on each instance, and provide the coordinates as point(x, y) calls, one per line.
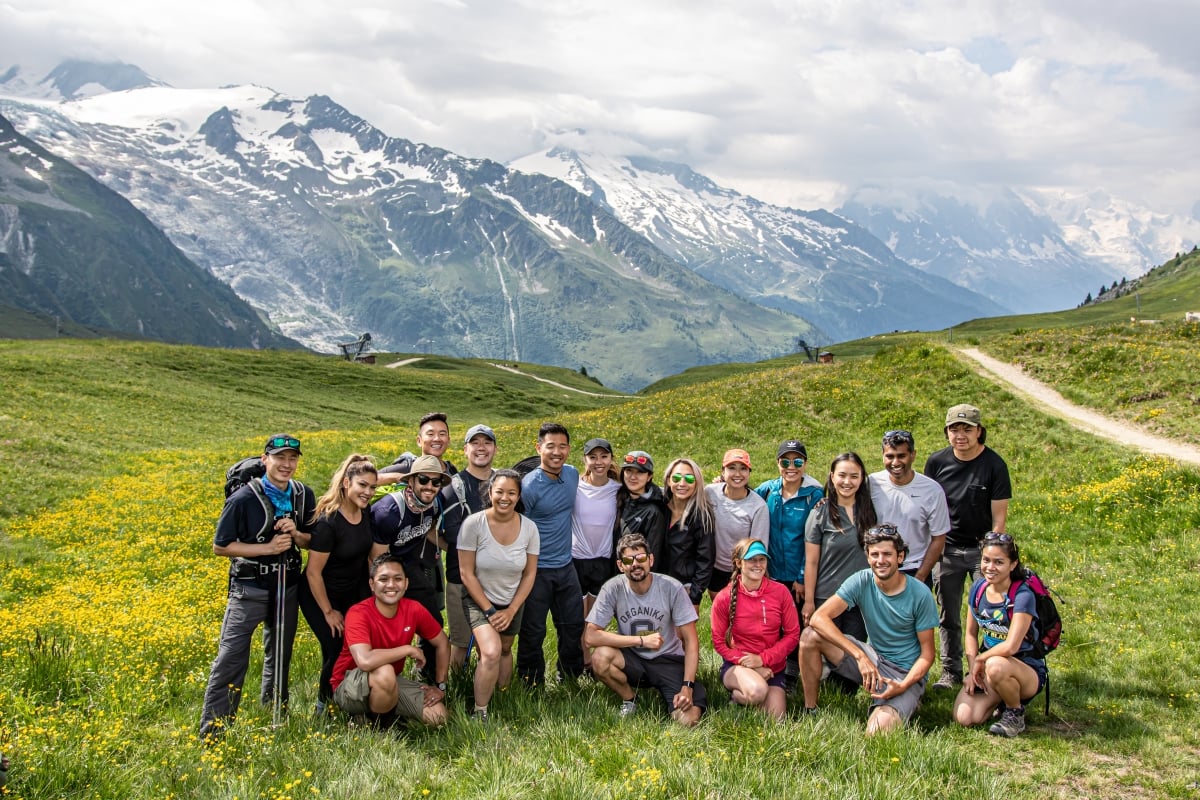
point(754, 627)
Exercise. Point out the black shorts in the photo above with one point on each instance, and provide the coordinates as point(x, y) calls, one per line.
point(593, 572)
point(719, 580)
point(664, 673)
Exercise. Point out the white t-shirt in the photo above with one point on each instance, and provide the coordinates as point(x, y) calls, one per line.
point(917, 509)
point(593, 520)
point(497, 566)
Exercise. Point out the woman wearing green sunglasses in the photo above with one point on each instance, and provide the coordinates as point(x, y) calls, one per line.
point(690, 543)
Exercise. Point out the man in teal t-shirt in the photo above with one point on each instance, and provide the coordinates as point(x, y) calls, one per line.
point(900, 616)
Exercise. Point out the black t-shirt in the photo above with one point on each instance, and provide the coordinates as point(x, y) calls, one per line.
point(248, 516)
point(346, 573)
point(453, 514)
point(970, 488)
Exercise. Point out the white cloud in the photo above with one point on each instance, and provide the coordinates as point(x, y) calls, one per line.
point(793, 101)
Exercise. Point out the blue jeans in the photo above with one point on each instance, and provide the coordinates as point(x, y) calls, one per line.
point(555, 591)
point(950, 580)
point(247, 608)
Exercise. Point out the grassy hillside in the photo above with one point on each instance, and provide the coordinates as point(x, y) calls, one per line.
point(110, 599)
point(73, 411)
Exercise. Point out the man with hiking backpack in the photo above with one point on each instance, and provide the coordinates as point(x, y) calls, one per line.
point(459, 499)
point(261, 528)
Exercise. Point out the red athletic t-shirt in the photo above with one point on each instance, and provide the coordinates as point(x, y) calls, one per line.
point(365, 625)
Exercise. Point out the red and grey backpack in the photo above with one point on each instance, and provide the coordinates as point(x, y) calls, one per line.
point(1046, 632)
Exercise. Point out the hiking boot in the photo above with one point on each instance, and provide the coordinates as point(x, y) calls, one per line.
point(947, 681)
point(1010, 724)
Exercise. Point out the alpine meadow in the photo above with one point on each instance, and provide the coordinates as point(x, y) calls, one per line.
point(112, 460)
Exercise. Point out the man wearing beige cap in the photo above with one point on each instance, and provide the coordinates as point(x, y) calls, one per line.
point(975, 480)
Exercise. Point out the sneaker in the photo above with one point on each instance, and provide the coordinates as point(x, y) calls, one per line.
point(628, 708)
point(947, 681)
point(480, 715)
point(1010, 724)
point(809, 712)
point(320, 709)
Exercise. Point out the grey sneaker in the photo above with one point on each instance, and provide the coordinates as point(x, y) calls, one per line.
point(628, 708)
point(947, 681)
point(479, 715)
point(1010, 724)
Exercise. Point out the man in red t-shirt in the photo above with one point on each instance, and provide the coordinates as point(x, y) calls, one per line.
point(378, 637)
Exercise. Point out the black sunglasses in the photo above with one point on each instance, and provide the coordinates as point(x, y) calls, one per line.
point(425, 480)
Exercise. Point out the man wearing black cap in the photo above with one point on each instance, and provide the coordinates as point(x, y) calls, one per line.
point(459, 499)
point(261, 528)
point(975, 480)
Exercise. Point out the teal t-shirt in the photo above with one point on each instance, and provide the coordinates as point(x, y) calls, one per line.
point(893, 622)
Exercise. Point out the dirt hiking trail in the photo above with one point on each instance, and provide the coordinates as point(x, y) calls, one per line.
point(1082, 418)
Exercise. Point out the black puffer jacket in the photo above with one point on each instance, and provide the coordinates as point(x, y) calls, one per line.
point(646, 515)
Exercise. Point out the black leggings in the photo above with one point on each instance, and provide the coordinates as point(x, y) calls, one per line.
point(331, 644)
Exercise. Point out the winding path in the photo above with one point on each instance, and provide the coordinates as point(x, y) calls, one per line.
point(1080, 417)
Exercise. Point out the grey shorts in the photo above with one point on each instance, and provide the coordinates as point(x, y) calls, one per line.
point(905, 704)
point(456, 618)
point(352, 693)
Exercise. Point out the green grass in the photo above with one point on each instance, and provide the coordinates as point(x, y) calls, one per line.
point(73, 412)
point(116, 572)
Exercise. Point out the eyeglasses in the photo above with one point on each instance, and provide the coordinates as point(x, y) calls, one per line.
point(640, 558)
point(796, 462)
point(896, 437)
point(1000, 538)
point(285, 442)
point(425, 480)
point(680, 477)
point(641, 461)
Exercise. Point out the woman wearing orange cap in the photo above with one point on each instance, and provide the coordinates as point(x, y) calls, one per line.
point(740, 514)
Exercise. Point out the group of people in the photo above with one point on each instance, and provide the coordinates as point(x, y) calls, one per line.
point(841, 581)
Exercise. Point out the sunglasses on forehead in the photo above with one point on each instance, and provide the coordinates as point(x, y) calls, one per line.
point(284, 441)
point(992, 537)
point(641, 461)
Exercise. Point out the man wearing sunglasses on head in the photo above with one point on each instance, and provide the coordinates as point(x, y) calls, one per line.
point(914, 503)
point(655, 642)
point(261, 528)
point(404, 523)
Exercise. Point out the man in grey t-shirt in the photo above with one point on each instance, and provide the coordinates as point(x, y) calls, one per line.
point(655, 643)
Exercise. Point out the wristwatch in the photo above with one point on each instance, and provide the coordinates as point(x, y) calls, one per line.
point(490, 612)
point(690, 684)
point(442, 685)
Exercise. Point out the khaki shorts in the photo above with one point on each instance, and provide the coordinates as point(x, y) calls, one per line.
point(352, 693)
point(478, 619)
point(456, 618)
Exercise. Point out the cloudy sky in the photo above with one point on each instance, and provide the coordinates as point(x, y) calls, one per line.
point(794, 102)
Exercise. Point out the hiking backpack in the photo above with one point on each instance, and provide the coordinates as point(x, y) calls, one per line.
point(242, 473)
point(1049, 622)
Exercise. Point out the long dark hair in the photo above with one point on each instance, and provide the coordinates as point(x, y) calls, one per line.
point(1005, 542)
point(864, 509)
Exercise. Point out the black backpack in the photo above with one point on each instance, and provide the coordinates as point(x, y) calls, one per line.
point(242, 473)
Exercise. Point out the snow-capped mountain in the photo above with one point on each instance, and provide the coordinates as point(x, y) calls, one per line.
point(812, 263)
point(991, 241)
point(72, 249)
point(74, 79)
point(331, 228)
point(1132, 238)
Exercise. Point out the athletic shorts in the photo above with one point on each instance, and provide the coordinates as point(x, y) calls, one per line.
point(456, 618)
point(352, 693)
point(664, 673)
point(593, 572)
point(719, 579)
point(778, 680)
point(905, 705)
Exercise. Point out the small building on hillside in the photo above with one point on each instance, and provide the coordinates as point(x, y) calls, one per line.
point(825, 357)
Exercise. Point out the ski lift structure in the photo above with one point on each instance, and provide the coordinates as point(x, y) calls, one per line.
point(356, 350)
point(814, 354)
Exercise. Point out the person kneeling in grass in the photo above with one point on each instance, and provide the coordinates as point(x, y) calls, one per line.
point(1005, 672)
point(377, 639)
point(655, 643)
point(900, 616)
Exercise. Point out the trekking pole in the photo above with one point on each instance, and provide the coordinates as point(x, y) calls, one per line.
point(280, 622)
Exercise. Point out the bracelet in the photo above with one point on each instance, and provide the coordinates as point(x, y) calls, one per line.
point(641, 640)
point(490, 612)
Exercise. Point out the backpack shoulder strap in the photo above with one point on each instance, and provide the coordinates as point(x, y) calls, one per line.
point(268, 509)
